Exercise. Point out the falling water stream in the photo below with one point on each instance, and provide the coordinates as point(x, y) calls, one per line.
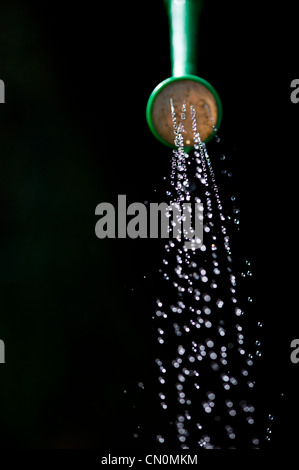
point(205, 360)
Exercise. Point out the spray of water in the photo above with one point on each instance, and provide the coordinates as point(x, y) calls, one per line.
point(207, 390)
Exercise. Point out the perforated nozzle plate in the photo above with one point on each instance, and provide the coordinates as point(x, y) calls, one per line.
point(191, 92)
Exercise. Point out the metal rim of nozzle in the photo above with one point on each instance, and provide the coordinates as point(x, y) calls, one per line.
point(165, 83)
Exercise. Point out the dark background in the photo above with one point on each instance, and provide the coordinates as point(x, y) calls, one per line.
point(75, 311)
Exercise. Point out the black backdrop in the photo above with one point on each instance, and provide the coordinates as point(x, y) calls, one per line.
point(76, 311)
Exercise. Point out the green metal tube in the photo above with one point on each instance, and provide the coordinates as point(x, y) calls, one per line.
point(184, 86)
point(183, 25)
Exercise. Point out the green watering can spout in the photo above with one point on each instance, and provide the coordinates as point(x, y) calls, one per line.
point(184, 86)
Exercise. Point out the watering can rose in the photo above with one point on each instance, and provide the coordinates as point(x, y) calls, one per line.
point(137, 227)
